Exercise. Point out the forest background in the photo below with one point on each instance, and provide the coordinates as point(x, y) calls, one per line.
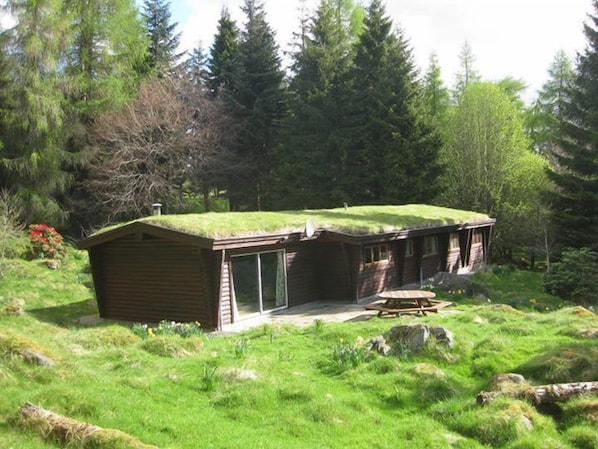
point(101, 116)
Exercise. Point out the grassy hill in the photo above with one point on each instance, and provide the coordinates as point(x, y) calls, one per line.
point(273, 387)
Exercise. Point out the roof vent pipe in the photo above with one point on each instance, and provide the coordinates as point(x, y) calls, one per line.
point(157, 209)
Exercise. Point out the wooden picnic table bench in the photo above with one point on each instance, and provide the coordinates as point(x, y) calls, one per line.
point(395, 302)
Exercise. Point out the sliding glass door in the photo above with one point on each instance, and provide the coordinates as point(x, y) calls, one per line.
point(259, 282)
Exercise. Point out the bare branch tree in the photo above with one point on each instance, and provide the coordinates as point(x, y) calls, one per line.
point(170, 138)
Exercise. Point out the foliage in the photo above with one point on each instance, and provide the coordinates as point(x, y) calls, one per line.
point(490, 167)
point(310, 170)
point(392, 153)
point(574, 277)
point(347, 355)
point(46, 242)
point(162, 54)
point(184, 330)
point(223, 58)
point(574, 201)
point(259, 106)
point(155, 136)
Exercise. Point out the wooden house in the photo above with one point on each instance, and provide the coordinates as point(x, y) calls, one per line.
point(219, 268)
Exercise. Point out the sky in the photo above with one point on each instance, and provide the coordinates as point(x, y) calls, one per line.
point(517, 38)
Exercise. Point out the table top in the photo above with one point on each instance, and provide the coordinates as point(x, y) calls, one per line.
point(412, 294)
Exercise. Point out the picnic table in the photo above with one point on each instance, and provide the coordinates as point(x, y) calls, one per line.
point(395, 302)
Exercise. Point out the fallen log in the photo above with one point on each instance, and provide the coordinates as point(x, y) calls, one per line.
point(69, 431)
point(542, 394)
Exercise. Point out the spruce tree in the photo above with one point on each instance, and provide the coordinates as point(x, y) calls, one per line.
point(223, 57)
point(394, 152)
point(259, 100)
point(547, 117)
point(574, 203)
point(163, 53)
point(436, 95)
point(310, 174)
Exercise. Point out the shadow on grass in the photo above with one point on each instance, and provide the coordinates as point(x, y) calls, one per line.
point(65, 315)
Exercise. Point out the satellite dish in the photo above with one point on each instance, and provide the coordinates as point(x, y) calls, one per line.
point(310, 229)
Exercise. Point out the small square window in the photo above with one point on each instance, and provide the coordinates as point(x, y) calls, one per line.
point(430, 245)
point(375, 253)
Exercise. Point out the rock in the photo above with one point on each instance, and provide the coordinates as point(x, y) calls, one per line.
point(36, 358)
point(479, 320)
point(506, 382)
point(414, 337)
point(379, 345)
point(411, 337)
point(455, 283)
point(443, 335)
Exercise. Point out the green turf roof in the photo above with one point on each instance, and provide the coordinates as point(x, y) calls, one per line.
point(357, 220)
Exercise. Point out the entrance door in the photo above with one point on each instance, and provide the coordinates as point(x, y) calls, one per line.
point(259, 282)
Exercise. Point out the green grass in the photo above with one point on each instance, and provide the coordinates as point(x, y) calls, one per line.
point(284, 386)
point(358, 220)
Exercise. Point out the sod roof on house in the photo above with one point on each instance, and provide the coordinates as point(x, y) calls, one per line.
point(354, 221)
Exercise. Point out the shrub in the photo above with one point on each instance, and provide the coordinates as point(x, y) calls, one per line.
point(574, 277)
point(46, 242)
point(12, 235)
point(346, 355)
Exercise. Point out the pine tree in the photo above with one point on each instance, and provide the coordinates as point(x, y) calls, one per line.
point(163, 41)
point(33, 159)
point(394, 152)
point(223, 58)
point(259, 98)
point(574, 204)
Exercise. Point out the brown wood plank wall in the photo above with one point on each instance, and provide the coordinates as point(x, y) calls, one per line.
point(302, 282)
point(453, 260)
point(376, 277)
point(332, 275)
point(152, 279)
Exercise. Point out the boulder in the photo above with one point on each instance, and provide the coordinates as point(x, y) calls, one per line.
point(379, 345)
point(414, 337)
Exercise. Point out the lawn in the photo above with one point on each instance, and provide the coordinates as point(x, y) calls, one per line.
point(285, 386)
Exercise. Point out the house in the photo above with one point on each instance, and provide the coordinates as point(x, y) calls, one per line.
point(219, 268)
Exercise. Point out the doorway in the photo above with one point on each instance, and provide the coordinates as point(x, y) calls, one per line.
point(259, 283)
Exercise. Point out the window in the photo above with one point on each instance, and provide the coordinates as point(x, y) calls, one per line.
point(454, 240)
point(409, 249)
point(477, 237)
point(430, 245)
point(375, 253)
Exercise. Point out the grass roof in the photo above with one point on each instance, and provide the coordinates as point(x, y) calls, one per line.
point(357, 220)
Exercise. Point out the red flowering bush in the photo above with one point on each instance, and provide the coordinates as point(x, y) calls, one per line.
point(46, 242)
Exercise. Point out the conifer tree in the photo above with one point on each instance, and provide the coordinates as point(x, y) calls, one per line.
point(436, 95)
point(312, 164)
point(163, 55)
point(467, 72)
point(574, 203)
point(259, 101)
point(394, 152)
point(33, 158)
point(223, 57)
point(547, 116)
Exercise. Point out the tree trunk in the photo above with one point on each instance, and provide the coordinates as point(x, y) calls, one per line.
point(543, 394)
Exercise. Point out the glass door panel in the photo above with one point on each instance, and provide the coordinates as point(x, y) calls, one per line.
point(246, 284)
point(273, 280)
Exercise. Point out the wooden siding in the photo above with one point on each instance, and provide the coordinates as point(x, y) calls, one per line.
point(333, 272)
point(226, 298)
point(302, 282)
point(376, 277)
point(453, 260)
point(476, 256)
point(151, 279)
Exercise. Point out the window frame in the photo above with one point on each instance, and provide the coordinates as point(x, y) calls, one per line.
point(433, 251)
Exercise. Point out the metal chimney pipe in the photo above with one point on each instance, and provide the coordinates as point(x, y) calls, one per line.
point(157, 209)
